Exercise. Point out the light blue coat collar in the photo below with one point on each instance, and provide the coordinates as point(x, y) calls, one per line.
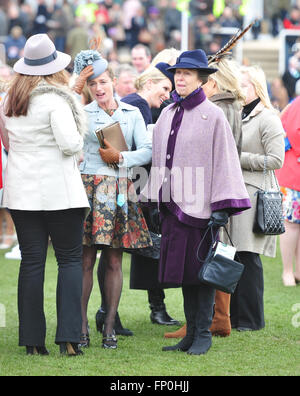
point(93, 106)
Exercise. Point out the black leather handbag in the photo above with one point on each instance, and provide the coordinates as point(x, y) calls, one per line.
point(269, 215)
point(218, 271)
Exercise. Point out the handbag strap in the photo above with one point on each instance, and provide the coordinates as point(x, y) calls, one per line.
point(214, 240)
point(265, 176)
point(210, 228)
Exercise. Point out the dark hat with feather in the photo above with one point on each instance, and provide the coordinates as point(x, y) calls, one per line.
point(195, 59)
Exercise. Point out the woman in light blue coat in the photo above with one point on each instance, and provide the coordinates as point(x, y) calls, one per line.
point(116, 220)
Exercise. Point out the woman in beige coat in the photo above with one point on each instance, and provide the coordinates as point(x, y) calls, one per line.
point(43, 190)
point(263, 139)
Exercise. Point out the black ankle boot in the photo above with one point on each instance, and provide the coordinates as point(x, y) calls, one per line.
point(100, 319)
point(119, 329)
point(160, 316)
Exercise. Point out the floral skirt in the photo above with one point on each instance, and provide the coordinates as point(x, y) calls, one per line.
point(115, 219)
point(291, 205)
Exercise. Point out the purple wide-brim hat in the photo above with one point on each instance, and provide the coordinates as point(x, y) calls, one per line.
point(195, 59)
point(41, 58)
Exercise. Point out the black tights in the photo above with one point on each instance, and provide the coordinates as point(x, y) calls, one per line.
point(101, 277)
point(156, 295)
point(112, 278)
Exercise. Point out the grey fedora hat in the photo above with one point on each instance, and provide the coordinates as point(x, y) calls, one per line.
point(41, 58)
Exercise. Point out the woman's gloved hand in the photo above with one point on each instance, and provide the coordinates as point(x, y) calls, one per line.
point(82, 78)
point(109, 154)
point(218, 219)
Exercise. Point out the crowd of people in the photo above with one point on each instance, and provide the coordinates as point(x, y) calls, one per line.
point(124, 23)
point(212, 124)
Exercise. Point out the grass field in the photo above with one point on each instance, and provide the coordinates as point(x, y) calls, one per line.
point(274, 351)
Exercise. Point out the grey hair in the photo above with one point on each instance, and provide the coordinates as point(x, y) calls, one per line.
point(125, 68)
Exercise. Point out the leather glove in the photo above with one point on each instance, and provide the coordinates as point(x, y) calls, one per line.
point(218, 219)
point(109, 154)
point(85, 73)
point(154, 221)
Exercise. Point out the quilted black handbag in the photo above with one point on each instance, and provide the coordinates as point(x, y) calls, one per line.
point(218, 271)
point(269, 215)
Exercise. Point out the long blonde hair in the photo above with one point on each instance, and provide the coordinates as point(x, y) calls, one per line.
point(227, 78)
point(21, 86)
point(258, 79)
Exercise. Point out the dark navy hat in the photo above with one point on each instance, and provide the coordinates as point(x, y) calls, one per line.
point(164, 68)
point(195, 59)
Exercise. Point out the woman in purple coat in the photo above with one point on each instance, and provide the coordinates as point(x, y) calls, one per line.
point(196, 181)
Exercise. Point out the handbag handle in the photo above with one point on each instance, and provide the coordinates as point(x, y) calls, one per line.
point(214, 240)
point(265, 176)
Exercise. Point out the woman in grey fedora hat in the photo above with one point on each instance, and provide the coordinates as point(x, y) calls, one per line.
point(193, 139)
point(44, 129)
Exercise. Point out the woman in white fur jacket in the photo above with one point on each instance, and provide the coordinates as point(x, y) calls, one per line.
point(42, 128)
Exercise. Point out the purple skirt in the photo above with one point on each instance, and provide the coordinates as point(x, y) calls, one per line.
point(178, 257)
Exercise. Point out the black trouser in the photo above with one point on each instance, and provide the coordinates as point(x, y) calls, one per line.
point(247, 302)
point(65, 228)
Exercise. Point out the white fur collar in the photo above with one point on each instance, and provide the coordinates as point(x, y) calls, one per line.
point(70, 98)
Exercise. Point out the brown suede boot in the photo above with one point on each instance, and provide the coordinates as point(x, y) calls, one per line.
point(221, 325)
point(177, 334)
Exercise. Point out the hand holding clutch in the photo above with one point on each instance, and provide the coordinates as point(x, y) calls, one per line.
point(82, 78)
point(109, 154)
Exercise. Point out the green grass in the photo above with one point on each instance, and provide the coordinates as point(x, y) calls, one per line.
point(274, 351)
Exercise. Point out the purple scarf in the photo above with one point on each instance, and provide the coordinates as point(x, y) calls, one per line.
point(190, 101)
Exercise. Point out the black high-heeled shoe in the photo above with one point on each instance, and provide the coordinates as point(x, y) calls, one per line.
point(70, 349)
point(85, 339)
point(36, 350)
point(109, 341)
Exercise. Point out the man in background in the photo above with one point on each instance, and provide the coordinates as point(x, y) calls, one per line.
point(140, 57)
point(125, 78)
